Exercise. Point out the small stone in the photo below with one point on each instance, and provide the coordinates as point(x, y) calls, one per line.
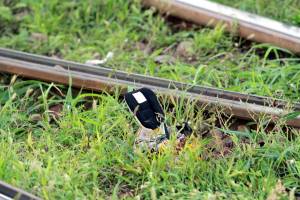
point(242, 128)
point(165, 59)
point(184, 49)
point(35, 117)
point(56, 110)
point(217, 134)
point(228, 142)
point(145, 48)
point(38, 37)
point(21, 15)
point(217, 137)
point(141, 46)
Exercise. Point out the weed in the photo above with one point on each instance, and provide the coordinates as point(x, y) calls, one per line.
point(86, 150)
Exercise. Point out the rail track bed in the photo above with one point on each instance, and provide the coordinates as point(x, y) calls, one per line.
point(95, 78)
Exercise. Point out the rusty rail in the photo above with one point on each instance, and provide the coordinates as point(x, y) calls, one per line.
point(247, 25)
point(105, 79)
point(8, 192)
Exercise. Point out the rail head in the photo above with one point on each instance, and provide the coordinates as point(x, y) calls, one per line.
point(237, 104)
point(121, 76)
point(249, 26)
point(9, 192)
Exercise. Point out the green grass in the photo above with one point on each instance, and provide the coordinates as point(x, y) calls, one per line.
point(88, 153)
point(289, 12)
point(79, 31)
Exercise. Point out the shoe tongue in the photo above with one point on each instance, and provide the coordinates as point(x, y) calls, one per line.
point(146, 107)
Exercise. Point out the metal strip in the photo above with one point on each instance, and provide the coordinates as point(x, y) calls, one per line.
point(233, 103)
point(249, 26)
point(142, 79)
point(8, 192)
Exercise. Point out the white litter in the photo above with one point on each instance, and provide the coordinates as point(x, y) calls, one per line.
point(108, 57)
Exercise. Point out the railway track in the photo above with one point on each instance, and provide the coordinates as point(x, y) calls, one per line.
point(48, 69)
point(247, 25)
point(8, 192)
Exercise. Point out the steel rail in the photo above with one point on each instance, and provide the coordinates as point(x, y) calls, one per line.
point(105, 79)
point(137, 78)
point(247, 25)
point(8, 192)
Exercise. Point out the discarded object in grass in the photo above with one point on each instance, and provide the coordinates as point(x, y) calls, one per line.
point(96, 62)
point(247, 25)
point(8, 192)
point(153, 134)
